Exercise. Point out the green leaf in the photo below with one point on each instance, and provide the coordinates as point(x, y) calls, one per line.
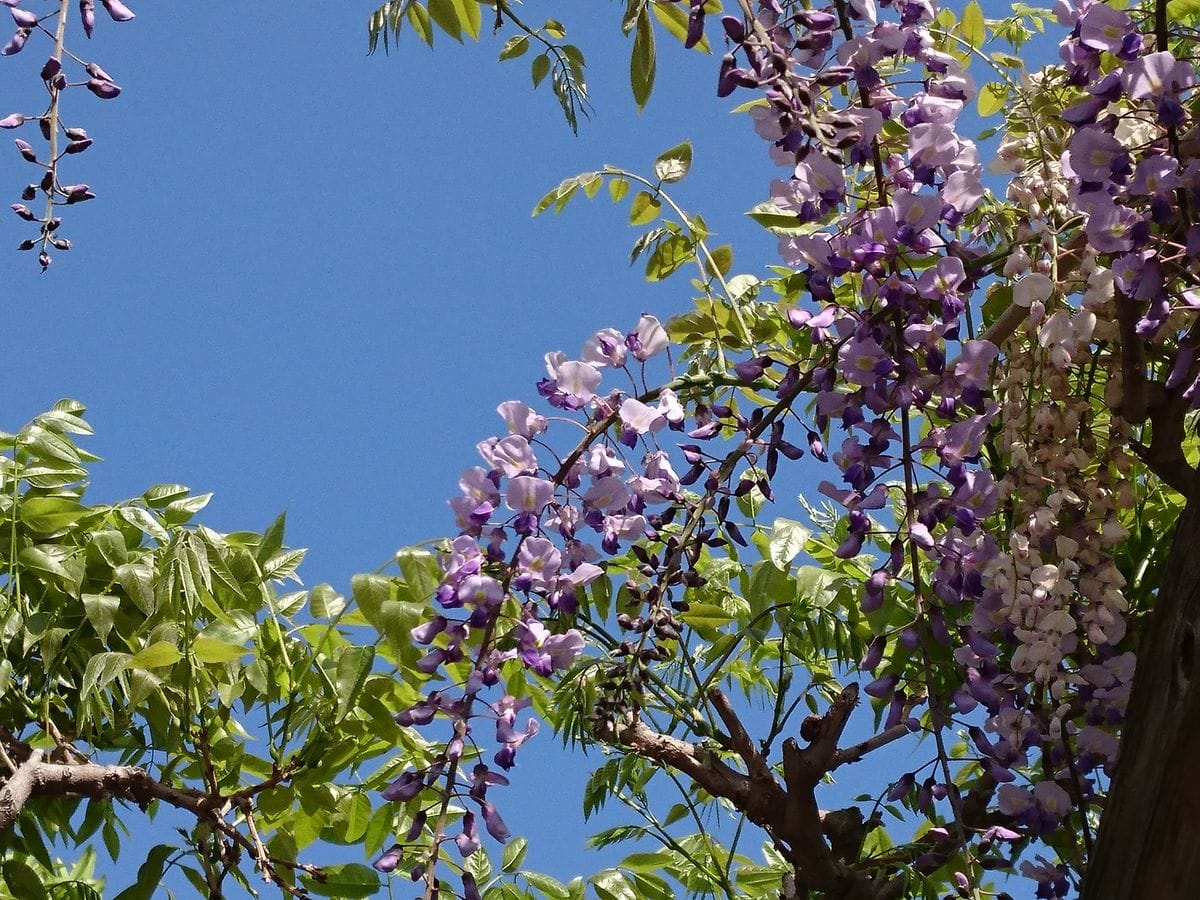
point(421, 572)
point(669, 255)
point(149, 875)
point(514, 47)
point(722, 258)
point(101, 612)
point(100, 670)
point(160, 495)
point(324, 602)
point(514, 854)
point(610, 884)
point(469, 16)
point(993, 97)
point(45, 515)
point(179, 511)
point(642, 63)
point(1184, 12)
point(353, 666)
point(144, 521)
point(673, 164)
point(617, 189)
point(213, 650)
point(647, 862)
point(23, 881)
point(445, 13)
point(422, 24)
point(157, 655)
point(349, 880)
point(551, 887)
point(788, 538)
point(644, 209)
point(972, 27)
point(706, 617)
point(539, 69)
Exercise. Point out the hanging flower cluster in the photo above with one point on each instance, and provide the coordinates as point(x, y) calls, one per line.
point(60, 139)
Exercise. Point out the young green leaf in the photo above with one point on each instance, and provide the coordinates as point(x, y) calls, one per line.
point(673, 164)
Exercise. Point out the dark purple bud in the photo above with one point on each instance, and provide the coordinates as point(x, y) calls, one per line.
point(895, 710)
point(874, 654)
point(882, 687)
point(47, 182)
point(727, 80)
point(75, 134)
point(16, 120)
point(16, 43)
point(468, 840)
point(901, 788)
point(470, 887)
point(52, 67)
point(24, 18)
point(423, 634)
point(23, 211)
point(60, 243)
point(494, 824)
point(734, 28)
point(417, 872)
point(26, 244)
point(417, 826)
point(105, 90)
point(390, 859)
point(403, 788)
point(908, 638)
point(44, 260)
point(94, 70)
point(78, 193)
point(817, 447)
point(30, 192)
point(87, 15)
point(849, 547)
point(78, 146)
point(26, 149)
point(60, 82)
point(752, 369)
point(118, 10)
point(695, 29)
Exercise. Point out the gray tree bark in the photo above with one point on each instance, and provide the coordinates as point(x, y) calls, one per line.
point(1149, 840)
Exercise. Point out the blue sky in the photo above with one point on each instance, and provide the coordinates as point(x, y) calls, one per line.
point(311, 275)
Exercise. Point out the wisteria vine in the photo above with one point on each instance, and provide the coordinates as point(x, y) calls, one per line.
point(949, 428)
point(60, 139)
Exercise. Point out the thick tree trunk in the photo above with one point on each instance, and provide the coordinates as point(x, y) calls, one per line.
point(1149, 841)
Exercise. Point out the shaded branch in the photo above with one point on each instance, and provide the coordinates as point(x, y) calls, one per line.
point(36, 778)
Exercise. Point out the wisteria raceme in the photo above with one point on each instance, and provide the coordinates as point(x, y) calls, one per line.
point(60, 140)
point(1022, 639)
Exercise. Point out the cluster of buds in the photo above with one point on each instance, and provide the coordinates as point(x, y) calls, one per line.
point(61, 141)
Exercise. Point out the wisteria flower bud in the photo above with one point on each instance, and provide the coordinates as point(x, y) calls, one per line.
point(75, 134)
point(118, 10)
point(30, 192)
point(52, 67)
point(78, 146)
point(24, 18)
point(16, 120)
point(105, 90)
point(16, 43)
point(389, 860)
point(87, 16)
point(23, 211)
point(26, 150)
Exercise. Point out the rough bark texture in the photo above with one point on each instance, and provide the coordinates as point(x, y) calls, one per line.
point(1149, 842)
